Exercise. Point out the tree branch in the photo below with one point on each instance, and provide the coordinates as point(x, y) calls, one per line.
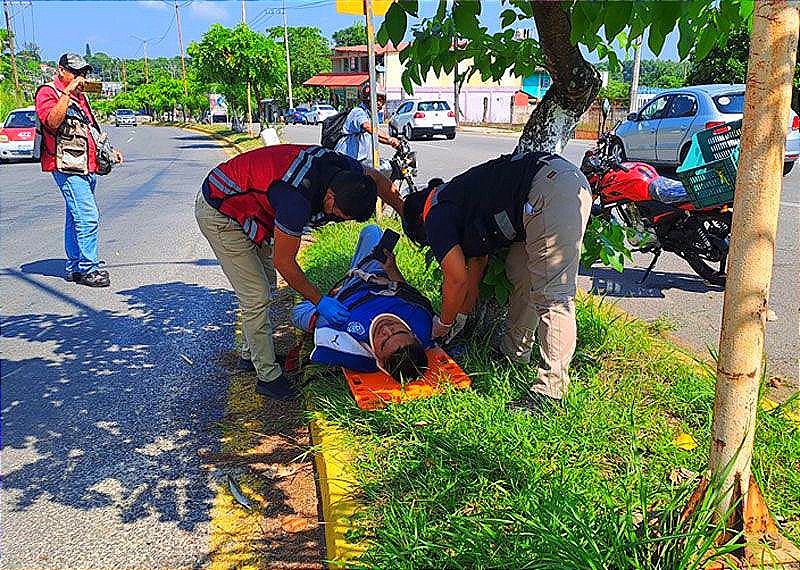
point(574, 87)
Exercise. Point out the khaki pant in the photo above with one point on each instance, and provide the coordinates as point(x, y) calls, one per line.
point(544, 272)
point(249, 269)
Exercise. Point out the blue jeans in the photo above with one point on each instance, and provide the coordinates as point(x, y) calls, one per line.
point(82, 222)
point(369, 238)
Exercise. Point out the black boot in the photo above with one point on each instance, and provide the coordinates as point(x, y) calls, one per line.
point(278, 389)
point(94, 279)
point(535, 404)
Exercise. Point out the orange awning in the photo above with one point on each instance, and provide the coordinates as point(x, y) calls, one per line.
point(337, 80)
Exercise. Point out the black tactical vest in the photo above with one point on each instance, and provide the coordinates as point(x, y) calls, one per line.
point(489, 199)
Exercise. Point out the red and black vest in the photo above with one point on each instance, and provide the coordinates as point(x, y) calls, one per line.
point(239, 187)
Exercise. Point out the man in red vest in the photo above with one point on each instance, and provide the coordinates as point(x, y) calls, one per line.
point(253, 210)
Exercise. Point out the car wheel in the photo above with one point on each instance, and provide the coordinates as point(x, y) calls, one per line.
point(616, 150)
point(450, 136)
point(787, 167)
point(683, 153)
point(408, 132)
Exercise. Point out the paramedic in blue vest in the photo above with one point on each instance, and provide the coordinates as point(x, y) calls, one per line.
point(389, 327)
point(357, 129)
point(535, 204)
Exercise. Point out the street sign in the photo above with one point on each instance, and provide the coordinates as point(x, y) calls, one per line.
point(356, 7)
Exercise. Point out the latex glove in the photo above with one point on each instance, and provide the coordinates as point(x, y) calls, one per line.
point(456, 328)
point(440, 329)
point(333, 311)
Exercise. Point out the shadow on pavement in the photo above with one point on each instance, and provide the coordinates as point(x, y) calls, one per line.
point(607, 281)
point(55, 267)
point(114, 408)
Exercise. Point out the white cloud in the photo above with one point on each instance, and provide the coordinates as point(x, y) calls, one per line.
point(153, 4)
point(208, 10)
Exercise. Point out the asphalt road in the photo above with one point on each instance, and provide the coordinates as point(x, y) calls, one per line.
point(108, 394)
point(673, 290)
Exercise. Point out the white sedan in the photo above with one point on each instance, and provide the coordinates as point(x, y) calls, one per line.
point(423, 118)
point(319, 113)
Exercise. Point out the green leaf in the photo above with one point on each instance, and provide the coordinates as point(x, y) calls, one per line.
point(382, 37)
point(441, 11)
point(746, 8)
point(706, 41)
point(686, 39)
point(466, 20)
point(411, 7)
point(406, 81)
point(507, 17)
point(579, 24)
point(395, 23)
point(616, 18)
point(656, 39)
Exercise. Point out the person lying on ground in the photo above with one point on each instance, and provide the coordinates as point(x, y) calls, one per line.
point(253, 209)
point(389, 327)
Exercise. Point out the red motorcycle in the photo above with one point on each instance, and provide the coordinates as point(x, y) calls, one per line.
point(657, 213)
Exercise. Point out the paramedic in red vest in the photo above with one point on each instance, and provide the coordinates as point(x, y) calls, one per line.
point(77, 183)
point(253, 210)
point(537, 205)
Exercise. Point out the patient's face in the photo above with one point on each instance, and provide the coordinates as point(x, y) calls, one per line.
point(388, 336)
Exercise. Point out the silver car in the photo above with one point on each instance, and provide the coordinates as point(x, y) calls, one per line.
point(661, 132)
point(124, 117)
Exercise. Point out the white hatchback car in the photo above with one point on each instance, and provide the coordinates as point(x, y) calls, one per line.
point(423, 118)
point(319, 113)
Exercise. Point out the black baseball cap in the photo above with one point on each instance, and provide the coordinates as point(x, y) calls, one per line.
point(74, 63)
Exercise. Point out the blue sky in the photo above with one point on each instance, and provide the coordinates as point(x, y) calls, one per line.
point(59, 26)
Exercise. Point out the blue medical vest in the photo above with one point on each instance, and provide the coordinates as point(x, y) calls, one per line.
point(348, 345)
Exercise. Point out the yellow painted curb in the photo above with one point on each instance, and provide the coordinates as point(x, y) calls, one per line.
point(236, 531)
point(337, 487)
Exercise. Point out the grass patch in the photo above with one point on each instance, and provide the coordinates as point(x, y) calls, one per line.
point(458, 481)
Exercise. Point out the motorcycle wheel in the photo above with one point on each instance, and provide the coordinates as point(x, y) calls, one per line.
point(616, 150)
point(704, 269)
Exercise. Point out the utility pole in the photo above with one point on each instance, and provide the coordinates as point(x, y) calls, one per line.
point(11, 48)
point(180, 45)
point(124, 77)
point(288, 62)
point(637, 58)
point(249, 103)
point(456, 90)
point(146, 69)
point(773, 48)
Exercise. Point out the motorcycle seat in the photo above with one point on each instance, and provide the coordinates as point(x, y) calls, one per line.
point(668, 190)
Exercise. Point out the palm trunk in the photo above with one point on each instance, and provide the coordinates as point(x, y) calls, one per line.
point(574, 87)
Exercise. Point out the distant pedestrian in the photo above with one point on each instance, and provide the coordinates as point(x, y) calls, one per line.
point(69, 144)
point(357, 129)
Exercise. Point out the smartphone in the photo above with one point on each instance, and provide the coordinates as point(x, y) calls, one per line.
point(389, 239)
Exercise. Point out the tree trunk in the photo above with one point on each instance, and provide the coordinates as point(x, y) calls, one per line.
point(574, 87)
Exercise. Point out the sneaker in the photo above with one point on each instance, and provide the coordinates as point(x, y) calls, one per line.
point(278, 389)
point(94, 279)
point(535, 404)
point(73, 276)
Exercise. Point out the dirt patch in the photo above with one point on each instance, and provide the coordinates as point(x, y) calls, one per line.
point(266, 452)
